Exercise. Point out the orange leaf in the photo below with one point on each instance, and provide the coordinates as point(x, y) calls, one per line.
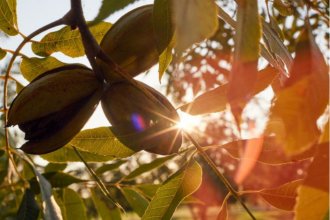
point(303, 99)
point(223, 214)
point(282, 197)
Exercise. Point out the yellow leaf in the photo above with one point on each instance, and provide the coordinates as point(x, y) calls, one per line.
point(312, 204)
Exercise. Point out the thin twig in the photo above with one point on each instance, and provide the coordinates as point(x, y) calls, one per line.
point(218, 173)
point(100, 183)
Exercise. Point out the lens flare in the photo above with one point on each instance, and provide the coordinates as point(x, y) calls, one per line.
point(138, 122)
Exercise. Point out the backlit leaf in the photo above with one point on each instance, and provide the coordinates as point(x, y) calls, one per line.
point(33, 67)
point(283, 7)
point(136, 201)
point(216, 100)
point(148, 166)
point(2, 54)
point(8, 17)
point(74, 206)
point(193, 21)
point(68, 41)
point(244, 71)
point(168, 197)
point(282, 197)
point(109, 7)
point(313, 195)
point(104, 208)
point(67, 154)
point(303, 99)
point(164, 61)
point(100, 141)
point(28, 209)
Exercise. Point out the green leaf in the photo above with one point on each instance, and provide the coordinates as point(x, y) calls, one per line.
point(164, 61)
point(244, 72)
point(109, 7)
point(74, 206)
point(180, 185)
point(95, 145)
point(8, 17)
point(53, 167)
point(148, 167)
point(216, 100)
point(194, 21)
point(51, 209)
point(33, 67)
point(103, 207)
point(148, 190)
point(100, 141)
point(28, 209)
point(68, 41)
point(67, 154)
point(109, 167)
point(138, 203)
point(2, 54)
point(302, 100)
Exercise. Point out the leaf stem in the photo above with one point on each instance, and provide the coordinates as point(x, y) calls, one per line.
point(99, 182)
point(218, 173)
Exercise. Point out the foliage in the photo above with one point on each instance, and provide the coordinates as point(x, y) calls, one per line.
point(218, 57)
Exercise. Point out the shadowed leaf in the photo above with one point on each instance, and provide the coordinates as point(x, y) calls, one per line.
point(28, 209)
point(2, 54)
point(109, 7)
point(8, 17)
point(194, 21)
point(68, 41)
point(168, 197)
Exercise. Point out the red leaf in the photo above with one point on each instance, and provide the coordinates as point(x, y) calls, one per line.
point(223, 214)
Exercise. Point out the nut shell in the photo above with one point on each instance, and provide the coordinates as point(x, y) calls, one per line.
point(140, 123)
